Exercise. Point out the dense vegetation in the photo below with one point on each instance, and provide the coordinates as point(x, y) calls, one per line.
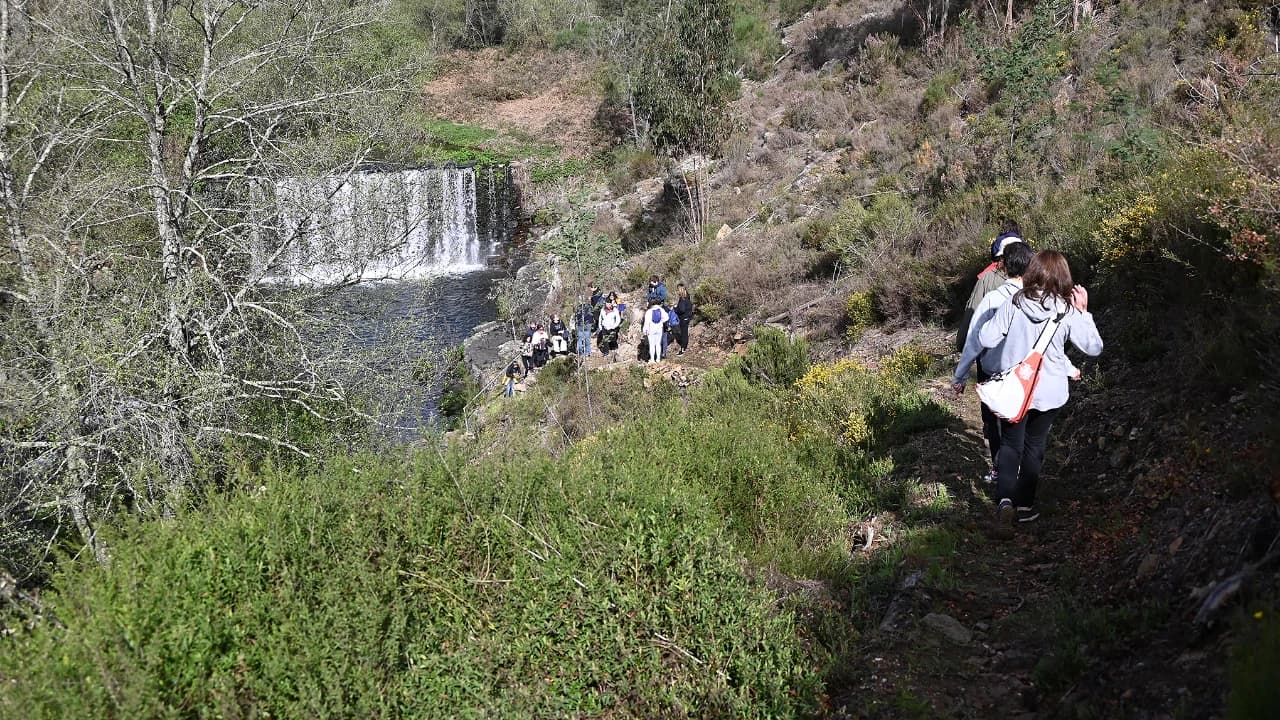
point(616, 575)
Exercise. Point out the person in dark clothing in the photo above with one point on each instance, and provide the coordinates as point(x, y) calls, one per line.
point(559, 336)
point(684, 311)
point(669, 329)
point(991, 277)
point(513, 371)
point(1016, 259)
point(596, 297)
point(526, 355)
point(541, 346)
point(583, 324)
point(657, 291)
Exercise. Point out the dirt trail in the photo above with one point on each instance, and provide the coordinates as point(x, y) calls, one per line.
point(1087, 612)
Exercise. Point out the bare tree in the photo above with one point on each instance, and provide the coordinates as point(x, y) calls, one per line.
point(141, 146)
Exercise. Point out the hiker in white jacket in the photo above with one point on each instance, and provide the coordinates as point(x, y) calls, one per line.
point(655, 319)
point(1047, 292)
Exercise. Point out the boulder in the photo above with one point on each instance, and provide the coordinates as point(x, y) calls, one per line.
point(949, 628)
point(489, 348)
point(648, 194)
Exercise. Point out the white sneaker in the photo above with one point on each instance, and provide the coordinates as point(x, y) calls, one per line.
point(1004, 519)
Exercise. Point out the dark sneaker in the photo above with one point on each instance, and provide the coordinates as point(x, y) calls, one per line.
point(1005, 514)
point(1026, 514)
point(990, 478)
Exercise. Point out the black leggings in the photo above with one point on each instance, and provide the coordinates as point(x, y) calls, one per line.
point(1021, 456)
point(990, 424)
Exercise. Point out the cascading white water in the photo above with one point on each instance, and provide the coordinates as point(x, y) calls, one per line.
point(381, 225)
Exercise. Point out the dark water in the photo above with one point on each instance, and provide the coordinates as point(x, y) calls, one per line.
point(388, 341)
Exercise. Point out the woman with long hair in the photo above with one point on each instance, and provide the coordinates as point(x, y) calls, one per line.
point(1047, 293)
point(684, 311)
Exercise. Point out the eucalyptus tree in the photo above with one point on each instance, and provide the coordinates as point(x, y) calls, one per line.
point(141, 144)
point(673, 61)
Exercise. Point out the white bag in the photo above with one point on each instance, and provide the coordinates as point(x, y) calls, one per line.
point(1009, 394)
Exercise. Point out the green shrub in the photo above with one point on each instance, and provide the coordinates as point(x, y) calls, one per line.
point(845, 404)
point(630, 165)
point(792, 10)
point(774, 359)
point(375, 588)
point(938, 92)
point(755, 43)
point(636, 277)
point(710, 298)
point(680, 77)
point(861, 233)
point(558, 371)
point(557, 169)
point(578, 37)
point(814, 234)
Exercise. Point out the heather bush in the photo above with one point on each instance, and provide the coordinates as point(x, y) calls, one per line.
point(859, 314)
point(774, 359)
point(429, 588)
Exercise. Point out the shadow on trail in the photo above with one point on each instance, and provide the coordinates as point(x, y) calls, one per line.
point(931, 589)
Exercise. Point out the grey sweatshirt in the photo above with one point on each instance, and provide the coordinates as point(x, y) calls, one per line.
point(1012, 332)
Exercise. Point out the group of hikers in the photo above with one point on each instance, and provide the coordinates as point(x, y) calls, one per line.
point(666, 319)
point(1022, 312)
point(1019, 299)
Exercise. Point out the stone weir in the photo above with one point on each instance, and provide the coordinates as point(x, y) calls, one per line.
point(387, 223)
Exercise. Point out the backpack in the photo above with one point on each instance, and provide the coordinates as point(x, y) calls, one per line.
point(656, 316)
point(673, 320)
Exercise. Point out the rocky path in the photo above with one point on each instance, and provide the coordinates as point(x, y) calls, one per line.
point(1089, 612)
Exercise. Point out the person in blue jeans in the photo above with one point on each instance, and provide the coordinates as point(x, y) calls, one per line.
point(583, 325)
point(513, 370)
point(1047, 292)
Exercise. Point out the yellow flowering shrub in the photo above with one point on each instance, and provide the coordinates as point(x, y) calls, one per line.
point(859, 314)
point(905, 364)
point(1126, 228)
point(847, 404)
point(826, 402)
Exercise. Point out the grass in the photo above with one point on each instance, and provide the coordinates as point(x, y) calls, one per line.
point(450, 142)
point(1254, 692)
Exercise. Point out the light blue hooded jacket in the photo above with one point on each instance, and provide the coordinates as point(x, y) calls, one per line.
point(1013, 330)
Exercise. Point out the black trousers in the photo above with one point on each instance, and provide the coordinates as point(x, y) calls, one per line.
point(1022, 447)
point(990, 423)
point(682, 335)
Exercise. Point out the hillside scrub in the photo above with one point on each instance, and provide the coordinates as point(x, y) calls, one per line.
point(605, 579)
point(1137, 141)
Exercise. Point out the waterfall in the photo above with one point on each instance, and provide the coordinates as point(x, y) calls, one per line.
point(392, 225)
